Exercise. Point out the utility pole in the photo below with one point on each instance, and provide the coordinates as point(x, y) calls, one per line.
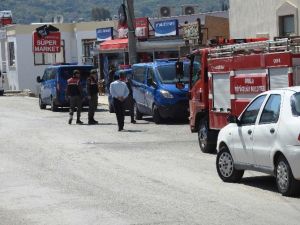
point(131, 32)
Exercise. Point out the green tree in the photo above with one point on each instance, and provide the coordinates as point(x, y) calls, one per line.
point(100, 14)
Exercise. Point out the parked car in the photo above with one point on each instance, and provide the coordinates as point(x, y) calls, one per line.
point(1, 84)
point(155, 92)
point(128, 73)
point(264, 138)
point(53, 85)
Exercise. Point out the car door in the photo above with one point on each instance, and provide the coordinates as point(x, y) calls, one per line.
point(150, 89)
point(242, 135)
point(265, 133)
point(139, 87)
point(44, 87)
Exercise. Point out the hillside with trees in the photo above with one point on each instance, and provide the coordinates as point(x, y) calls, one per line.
point(30, 11)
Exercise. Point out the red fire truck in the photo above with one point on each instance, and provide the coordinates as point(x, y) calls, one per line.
point(231, 76)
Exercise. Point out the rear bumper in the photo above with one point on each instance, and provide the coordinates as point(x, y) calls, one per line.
point(293, 158)
point(178, 110)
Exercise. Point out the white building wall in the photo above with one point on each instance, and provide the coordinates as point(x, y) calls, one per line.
point(254, 18)
point(12, 75)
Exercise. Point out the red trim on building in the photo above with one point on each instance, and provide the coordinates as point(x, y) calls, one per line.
point(114, 44)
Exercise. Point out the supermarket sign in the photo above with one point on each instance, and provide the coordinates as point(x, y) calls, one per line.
point(46, 40)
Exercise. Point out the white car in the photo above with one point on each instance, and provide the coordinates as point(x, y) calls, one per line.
point(264, 138)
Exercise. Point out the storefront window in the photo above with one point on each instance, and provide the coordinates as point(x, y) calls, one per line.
point(50, 58)
point(87, 47)
point(11, 52)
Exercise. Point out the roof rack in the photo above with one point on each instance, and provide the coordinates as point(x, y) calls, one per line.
point(278, 45)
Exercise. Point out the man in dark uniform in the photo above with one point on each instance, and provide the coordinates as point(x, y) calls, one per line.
point(74, 93)
point(92, 90)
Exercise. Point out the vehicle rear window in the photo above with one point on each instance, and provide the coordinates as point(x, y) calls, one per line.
point(67, 72)
point(295, 103)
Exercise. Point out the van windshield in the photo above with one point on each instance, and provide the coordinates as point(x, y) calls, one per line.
point(167, 73)
point(295, 103)
point(67, 72)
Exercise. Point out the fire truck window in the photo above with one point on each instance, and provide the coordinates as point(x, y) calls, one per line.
point(271, 111)
point(250, 115)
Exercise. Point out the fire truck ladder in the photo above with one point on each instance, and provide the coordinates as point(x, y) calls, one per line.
point(278, 45)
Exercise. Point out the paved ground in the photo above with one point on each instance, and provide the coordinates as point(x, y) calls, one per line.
point(52, 173)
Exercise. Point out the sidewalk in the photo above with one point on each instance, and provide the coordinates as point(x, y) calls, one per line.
point(102, 100)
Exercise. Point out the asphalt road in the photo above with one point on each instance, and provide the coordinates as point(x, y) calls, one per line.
point(52, 173)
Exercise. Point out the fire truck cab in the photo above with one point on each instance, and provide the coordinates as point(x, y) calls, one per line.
point(231, 75)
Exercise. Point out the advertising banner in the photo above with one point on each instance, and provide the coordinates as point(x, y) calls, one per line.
point(104, 34)
point(49, 43)
point(166, 28)
point(190, 31)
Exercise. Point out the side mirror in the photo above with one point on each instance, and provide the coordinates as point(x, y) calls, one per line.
point(179, 85)
point(38, 79)
point(150, 82)
point(179, 69)
point(232, 119)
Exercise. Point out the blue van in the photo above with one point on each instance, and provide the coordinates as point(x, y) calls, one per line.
point(53, 85)
point(155, 92)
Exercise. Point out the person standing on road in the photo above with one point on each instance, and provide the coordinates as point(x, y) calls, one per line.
point(74, 93)
point(119, 91)
point(129, 102)
point(92, 90)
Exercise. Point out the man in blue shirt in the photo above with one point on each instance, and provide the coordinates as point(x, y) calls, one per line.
point(119, 91)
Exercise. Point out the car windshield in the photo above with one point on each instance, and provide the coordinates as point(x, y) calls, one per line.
point(67, 72)
point(295, 103)
point(167, 73)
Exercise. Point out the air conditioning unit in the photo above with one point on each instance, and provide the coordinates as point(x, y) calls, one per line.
point(189, 9)
point(58, 19)
point(166, 11)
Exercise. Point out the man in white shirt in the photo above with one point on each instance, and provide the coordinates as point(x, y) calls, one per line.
point(119, 91)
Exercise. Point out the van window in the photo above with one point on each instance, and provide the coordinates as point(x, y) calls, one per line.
point(167, 73)
point(139, 74)
point(47, 74)
point(67, 72)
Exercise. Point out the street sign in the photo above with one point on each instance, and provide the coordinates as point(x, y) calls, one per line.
point(47, 44)
point(190, 31)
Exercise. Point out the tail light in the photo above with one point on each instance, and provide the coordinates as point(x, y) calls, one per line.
point(299, 137)
point(57, 87)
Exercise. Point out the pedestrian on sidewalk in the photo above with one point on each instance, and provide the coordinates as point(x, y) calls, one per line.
point(92, 91)
point(119, 91)
point(74, 94)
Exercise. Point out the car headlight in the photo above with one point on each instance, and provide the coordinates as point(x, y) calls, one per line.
point(166, 94)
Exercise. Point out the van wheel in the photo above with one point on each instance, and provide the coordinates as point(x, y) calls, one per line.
point(225, 167)
point(156, 116)
point(41, 104)
point(206, 137)
point(54, 107)
point(286, 183)
point(137, 114)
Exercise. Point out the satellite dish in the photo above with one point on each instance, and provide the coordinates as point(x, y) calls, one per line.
point(189, 10)
point(165, 11)
point(58, 19)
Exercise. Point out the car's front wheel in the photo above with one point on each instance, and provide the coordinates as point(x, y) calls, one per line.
point(156, 116)
point(225, 167)
point(137, 114)
point(286, 183)
point(41, 104)
point(54, 107)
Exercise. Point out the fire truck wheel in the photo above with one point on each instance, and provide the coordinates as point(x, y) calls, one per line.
point(225, 167)
point(206, 138)
point(156, 116)
point(137, 114)
point(41, 104)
